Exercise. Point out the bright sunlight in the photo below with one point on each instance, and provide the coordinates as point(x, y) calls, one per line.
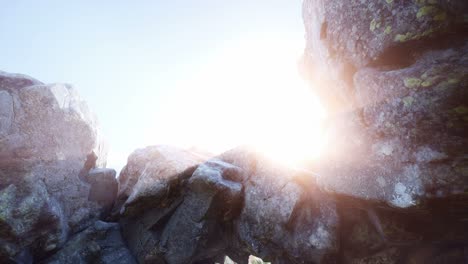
point(249, 93)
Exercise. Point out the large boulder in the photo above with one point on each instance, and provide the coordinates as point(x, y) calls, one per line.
point(393, 76)
point(236, 204)
point(47, 135)
point(150, 172)
point(151, 187)
point(404, 137)
point(285, 217)
point(344, 36)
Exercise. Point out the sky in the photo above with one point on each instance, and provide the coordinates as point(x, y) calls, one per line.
point(210, 74)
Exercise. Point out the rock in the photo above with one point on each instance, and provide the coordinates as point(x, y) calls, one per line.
point(196, 230)
point(104, 186)
point(46, 133)
point(151, 188)
point(149, 172)
point(409, 140)
point(393, 75)
point(343, 37)
point(99, 243)
point(31, 222)
point(236, 204)
point(285, 217)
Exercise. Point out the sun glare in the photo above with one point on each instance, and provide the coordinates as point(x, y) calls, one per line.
point(249, 93)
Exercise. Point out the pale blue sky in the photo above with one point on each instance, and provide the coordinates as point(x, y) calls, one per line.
point(131, 59)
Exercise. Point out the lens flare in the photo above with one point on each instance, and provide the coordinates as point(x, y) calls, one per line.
point(248, 94)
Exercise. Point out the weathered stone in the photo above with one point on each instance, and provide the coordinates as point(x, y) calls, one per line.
point(237, 204)
point(285, 217)
point(99, 243)
point(343, 36)
point(6, 112)
point(150, 172)
point(31, 222)
point(104, 186)
point(46, 133)
point(408, 143)
point(196, 232)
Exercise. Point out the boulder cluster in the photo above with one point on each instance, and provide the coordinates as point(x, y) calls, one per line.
point(391, 186)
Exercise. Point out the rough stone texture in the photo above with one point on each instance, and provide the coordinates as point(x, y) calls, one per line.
point(104, 186)
point(149, 172)
point(46, 134)
point(236, 204)
point(100, 243)
point(31, 222)
point(407, 131)
point(344, 36)
point(394, 77)
point(285, 217)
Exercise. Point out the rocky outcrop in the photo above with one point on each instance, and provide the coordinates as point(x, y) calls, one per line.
point(393, 76)
point(406, 128)
point(47, 135)
point(236, 204)
point(346, 36)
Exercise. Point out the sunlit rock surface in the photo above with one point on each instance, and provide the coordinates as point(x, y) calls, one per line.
point(46, 134)
point(405, 137)
point(394, 77)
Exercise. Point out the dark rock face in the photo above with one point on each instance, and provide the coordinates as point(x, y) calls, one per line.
point(104, 186)
point(99, 243)
point(32, 222)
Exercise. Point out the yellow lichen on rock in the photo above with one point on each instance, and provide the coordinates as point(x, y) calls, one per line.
point(408, 101)
point(412, 82)
point(426, 10)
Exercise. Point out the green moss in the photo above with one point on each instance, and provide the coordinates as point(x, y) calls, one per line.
point(374, 24)
point(402, 37)
point(388, 30)
point(408, 101)
point(412, 36)
point(428, 81)
point(453, 80)
point(412, 82)
point(426, 10)
point(389, 1)
point(461, 109)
